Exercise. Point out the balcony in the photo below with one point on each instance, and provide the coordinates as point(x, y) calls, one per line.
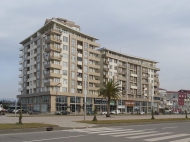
point(94, 81)
point(94, 66)
point(56, 75)
point(93, 51)
point(53, 57)
point(122, 78)
point(20, 69)
point(106, 62)
point(145, 71)
point(79, 47)
point(79, 78)
point(79, 55)
point(145, 82)
point(21, 48)
point(20, 82)
point(54, 66)
point(122, 65)
point(93, 88)
point(106, 69)
point(94, 58)
point(79, 70)
point(121, 72)
point(94, 73)
point(20, 89)
point(134, 75)
point(51, 39)
point(21, 55)
point(156, 79)
point(20, 62)
point(146, 77)
point(20, 76)
point(53, 48)
point(156, 74)
point(79, 86)
point(51, 83)
point(79, 63)
point(133, 87)
point(106, 76)
point(124, 84)
point(53, 31)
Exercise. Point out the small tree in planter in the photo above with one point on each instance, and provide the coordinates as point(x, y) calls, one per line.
point(152, 114)
point(95, 112)
point(20, 117)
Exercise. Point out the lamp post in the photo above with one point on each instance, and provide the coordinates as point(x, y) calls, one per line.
point(85, 92)
point(56, 92)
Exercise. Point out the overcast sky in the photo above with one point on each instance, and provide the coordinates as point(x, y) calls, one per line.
point(157, 30)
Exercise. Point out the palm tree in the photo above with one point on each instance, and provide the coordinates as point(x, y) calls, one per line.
point(109, 91)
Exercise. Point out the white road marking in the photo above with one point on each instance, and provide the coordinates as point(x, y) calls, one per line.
point(55, 138)
point(130, 134)
point(93, 129)
point(166, 137)
point(121, 132)
point(169, 127)
point(109, 131)
point(149, 135)
point(182, 140)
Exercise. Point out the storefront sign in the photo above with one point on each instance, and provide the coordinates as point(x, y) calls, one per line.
point(129, 103)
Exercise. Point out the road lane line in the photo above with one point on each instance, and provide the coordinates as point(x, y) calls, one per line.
point(130, 134)
point(55, 138)
point(110, 131)
point(182, 140)
point(149, 135)
point(166, 137)
point(169, 127)
point(122, 132)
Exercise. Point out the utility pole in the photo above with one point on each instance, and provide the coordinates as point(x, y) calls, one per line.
point(75, 105)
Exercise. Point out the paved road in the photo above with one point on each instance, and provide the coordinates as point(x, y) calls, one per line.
point(69, 121)
point(167, 132)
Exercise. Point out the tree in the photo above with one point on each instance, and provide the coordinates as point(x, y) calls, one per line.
point(186, 114)
point(109, 91)
point(20, 117)
point(95, 112)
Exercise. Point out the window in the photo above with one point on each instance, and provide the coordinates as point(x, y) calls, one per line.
point(38, 50)
point(85, 54)
point(64, 89)
point(65, 39)
point(38, 66)
point(110, 73)
point(73, 66)
point(73, 58)
point(64, 81)
point(65, 47)
point(72, 90)
point(65, 72)
point(73, 82)
point(115, 61)
point(110, 59)
point(85, 45)
point(38, 74)
point(38, 58)
point(115, 67)
point(64, 64)
point(85, 69)
point(73, 74)
point(73, 49)
point(110, 66)
point(38, 83)
point(85, 61)
point(65, 56)
point(73, 42)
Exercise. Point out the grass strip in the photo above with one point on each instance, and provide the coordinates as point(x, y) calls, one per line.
point(23, 126)
point(136, 121)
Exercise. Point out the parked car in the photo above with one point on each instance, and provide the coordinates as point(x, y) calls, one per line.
point(18, 111)
point(90, 112)
point(142, 112)
point(103, 112)
point(115, 112)
point(62, 112)
point(34, 112)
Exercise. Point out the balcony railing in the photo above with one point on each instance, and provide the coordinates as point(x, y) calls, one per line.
point(57, 31)
point(50, 48)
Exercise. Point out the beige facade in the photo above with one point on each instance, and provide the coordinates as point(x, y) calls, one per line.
point(55, 61)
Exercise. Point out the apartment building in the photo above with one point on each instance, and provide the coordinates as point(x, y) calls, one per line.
point(55, 62)
point(138, 79)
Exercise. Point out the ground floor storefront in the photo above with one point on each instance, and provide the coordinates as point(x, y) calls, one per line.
point(51, 104)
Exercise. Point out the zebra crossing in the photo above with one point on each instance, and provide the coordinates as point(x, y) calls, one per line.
point(147, 135)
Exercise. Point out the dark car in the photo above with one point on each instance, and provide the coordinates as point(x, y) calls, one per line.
point(34, 112)
point(63, 112)
point(90, 112)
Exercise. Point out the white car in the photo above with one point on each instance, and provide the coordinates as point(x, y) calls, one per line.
point(142, 112)
point(115, 112)
point(104, 112)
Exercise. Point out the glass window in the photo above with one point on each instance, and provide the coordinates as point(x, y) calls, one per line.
point(110, 59)
point(65, 72)
point(65, 39)
point(73, 50)
point(65, 56)
point(72, 90)
point(72, 99)
point(85, 53)
point(85, 61)
point(115, 61)
point(73, 66)
point(73, 74)
point(65, 64)
point(64, 89)
point(73, 42)
point(72, 82)
point(65, 47)
point(73, 58)
point(85, 69)
point(110, 66)
point(64, 81)
point(85, 45)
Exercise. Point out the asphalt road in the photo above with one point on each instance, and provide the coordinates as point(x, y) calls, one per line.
point(166, 132)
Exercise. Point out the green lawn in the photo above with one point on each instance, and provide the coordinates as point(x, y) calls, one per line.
point(136, 121)
point(23, 126)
